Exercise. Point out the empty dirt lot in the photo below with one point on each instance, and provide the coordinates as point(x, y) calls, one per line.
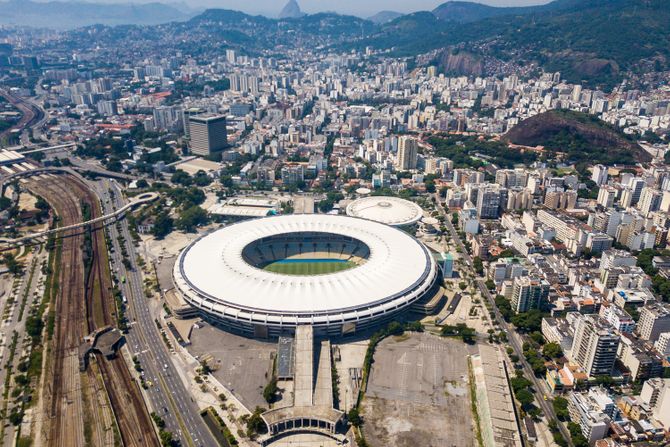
point(242, 365)
point(418, 394)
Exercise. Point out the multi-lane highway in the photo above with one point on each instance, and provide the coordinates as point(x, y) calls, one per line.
point(169, 397)
point(512, 336)
point(33, 115)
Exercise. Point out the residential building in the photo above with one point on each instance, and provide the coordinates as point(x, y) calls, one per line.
point(641, 359)
point(529, 293)
point(407, 153)
point(599, 175)
point(585, 410)
point(489, 201)
point(595, 345)
point(654, 320)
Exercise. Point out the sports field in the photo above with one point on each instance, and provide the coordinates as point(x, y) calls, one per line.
point(308, 267)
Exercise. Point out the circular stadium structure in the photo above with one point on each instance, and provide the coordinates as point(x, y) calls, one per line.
point(387, 210)
point(263, 277)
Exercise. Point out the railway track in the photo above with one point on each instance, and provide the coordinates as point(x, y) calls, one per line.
point(82, 305)
point(64, 401)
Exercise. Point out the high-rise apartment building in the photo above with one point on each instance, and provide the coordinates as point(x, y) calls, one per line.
point(606, 196)
point(489, 201)
point(650, 200)
point(529, 293)
point(595, 345)
point(407, 153)
point(208, 134)
point(654, 320)
point(599, 175)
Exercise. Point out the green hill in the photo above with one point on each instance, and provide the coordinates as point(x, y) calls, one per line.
point(595, 41)
point(582, 137)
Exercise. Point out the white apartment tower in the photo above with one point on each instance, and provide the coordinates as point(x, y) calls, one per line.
point(599, 175)
point(654, 320)
point(407, 153)
point(595, 345)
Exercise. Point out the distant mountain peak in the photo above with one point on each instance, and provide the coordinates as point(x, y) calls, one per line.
point(291, 10)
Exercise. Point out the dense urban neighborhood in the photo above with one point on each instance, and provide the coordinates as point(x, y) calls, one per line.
point(322, 230)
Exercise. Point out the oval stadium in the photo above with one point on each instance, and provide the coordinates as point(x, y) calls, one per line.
point(263, 277)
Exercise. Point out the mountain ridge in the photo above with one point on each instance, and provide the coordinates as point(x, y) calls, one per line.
point(74, 14)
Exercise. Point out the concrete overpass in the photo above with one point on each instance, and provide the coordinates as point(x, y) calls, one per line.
point(33, 149)
point(107, 218)
point(72, 170)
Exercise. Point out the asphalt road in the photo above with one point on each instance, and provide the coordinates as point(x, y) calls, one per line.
point(546, 406)
point(169, 397)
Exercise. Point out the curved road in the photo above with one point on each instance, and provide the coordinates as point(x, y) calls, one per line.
point(32, 114)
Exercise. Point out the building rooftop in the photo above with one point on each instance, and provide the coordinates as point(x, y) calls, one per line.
point(387, 210)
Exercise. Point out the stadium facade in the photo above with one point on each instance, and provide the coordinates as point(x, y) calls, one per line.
point(263, 277)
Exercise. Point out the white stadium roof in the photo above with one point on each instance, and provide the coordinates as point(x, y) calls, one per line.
point(213, 275)
point(388, 210)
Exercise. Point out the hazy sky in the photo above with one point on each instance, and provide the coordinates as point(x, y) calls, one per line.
point(357, 7)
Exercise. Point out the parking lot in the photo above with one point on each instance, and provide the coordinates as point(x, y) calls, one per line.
point(242, 365)
point(418, 393)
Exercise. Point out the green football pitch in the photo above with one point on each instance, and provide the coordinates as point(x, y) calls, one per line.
point(307, 268)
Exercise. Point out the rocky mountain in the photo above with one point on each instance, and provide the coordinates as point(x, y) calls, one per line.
point(580, 136)
point(291, 10)
point(461, 63)
point(73, 14)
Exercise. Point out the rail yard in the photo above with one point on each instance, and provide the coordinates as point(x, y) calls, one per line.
point(82, 302)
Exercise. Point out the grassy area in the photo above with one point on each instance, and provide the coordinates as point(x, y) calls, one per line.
point(309, 268)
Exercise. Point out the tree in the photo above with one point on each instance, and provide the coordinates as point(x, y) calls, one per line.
point(255, 423)
point(524, 397)
point(395, 328)
point(530, 321)
point(5, 203)
point(270, 391)
point(181, 178)
point(202, 179)
point(462, 285)
point(466, 333)
point(191, 218)
point(560, 405)
point(520, 383)
point(478, 265)
point(166, 438)
point(162, 225)
point(13, 266)
point(505, 307)
point(576, 434)
point(552, 350)
point(141, 183)
point(354, 417)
